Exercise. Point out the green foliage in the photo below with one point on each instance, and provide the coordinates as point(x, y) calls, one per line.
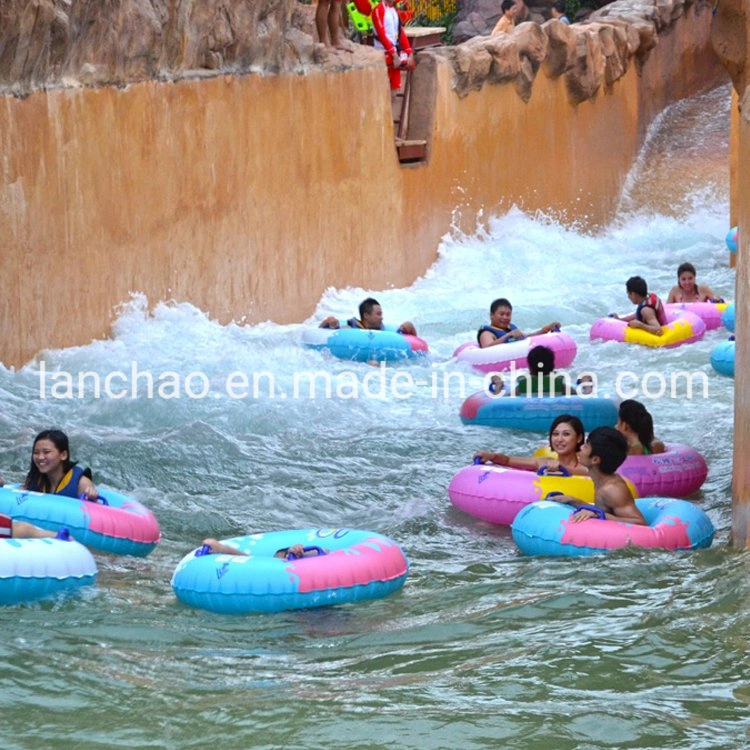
point(572, 7)
point(436, 13)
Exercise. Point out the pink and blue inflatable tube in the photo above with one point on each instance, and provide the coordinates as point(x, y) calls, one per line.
point(122, 526)
point(678, 472)
point(502, 357)
point(546, 528)
point(358, 565)
point(536, 413)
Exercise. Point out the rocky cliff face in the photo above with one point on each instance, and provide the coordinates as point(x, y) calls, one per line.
point(730, 35)
point(48, 43)
point(591, 55)
point(51, 43)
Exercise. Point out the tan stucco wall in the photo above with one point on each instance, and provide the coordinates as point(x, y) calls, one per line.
point(741, 465)
point(248, 196)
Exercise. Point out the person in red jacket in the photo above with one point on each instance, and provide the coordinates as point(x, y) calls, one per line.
point(391, 37)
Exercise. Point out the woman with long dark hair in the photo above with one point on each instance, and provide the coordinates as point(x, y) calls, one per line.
point(566, 436)
point(637, 425)
point(52, 470)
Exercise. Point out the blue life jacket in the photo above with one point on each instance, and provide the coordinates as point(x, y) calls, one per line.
point(68, 486)
point(497, 331)
point(355, 323)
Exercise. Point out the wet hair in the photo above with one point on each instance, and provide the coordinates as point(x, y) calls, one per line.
point(609, 446)
point(35, 479)
point(559, 5)
point(366, 306)
point(686, 267)
point(638, 285)
point(507, 5)
point(575, 423)
point(500, 302)
point(541, 359)
point(637, 417)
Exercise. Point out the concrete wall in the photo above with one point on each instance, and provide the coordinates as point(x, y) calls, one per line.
point(249, 195)
point(741, 465)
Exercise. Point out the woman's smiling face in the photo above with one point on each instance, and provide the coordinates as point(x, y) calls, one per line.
point(47, 457)
point(564, 440)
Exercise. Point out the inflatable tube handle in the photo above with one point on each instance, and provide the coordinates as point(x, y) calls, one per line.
point(64, 534)
point(204, 550)
point(560, 471)
point(319, 550)
point(552, 495)
point(599, 512)
point(477, 460)
point(98, 499)
point(731, 338)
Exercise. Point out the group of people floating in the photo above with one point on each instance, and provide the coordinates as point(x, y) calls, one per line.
point(52, 471)
point(599, 455)
point(605, 449)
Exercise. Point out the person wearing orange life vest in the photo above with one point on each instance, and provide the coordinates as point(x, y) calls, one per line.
point(649, 313)
point(391, 37)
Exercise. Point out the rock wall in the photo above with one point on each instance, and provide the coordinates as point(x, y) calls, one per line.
point(46, 43)
point(731, 39)
point(249, 194)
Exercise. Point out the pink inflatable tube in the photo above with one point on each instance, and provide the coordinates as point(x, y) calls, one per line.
point(682, 328)
point(497, 493)
point(678, 472)
point(709, 312)
point(513, 354)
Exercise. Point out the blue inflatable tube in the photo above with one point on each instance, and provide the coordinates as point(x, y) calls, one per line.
point(722, 357)
point(536, 413)
point(546, 528)
point(727, 317)
point(731, 240)
point(353, 565)
point(32, 569)
point(361, 345)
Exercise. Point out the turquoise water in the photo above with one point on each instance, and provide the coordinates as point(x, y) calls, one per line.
point(482, 647)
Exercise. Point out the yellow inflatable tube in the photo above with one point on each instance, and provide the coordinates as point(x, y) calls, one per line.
point(683, 328)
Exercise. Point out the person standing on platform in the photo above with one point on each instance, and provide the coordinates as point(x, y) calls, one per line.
point(507, 21)
point(391, 37)
point(558, 12)
point(328, 23)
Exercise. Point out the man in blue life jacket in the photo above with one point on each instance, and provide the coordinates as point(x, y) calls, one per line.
point(501, 330)
point(370, 318)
